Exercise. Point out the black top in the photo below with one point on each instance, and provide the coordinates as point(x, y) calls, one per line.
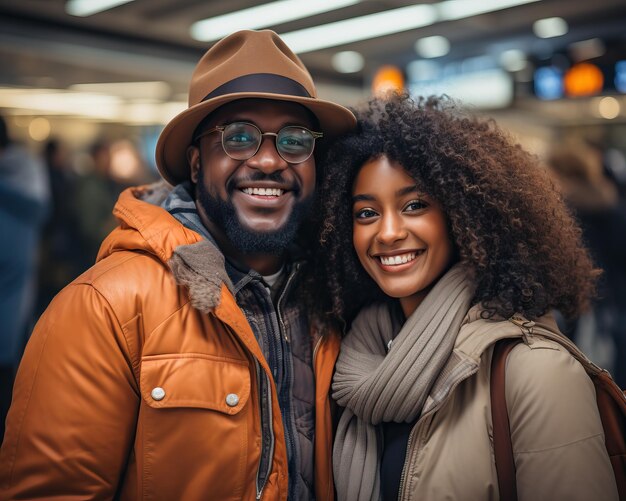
point(396, 439)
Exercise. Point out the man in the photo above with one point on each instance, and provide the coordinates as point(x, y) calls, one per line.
point(180, 366)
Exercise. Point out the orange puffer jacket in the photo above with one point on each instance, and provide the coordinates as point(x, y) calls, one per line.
point(128, 391)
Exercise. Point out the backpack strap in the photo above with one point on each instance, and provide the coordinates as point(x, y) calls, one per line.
point(612, 408)
point(502, 446)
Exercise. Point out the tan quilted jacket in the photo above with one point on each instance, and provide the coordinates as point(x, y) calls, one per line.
point(557, 436)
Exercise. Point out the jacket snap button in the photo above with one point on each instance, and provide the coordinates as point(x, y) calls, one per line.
point(157, 393)
point(232, 399)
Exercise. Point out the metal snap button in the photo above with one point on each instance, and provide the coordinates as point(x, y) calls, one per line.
point(232, 399)
point(158, 393)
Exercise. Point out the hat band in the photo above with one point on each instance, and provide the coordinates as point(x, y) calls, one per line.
point(260, 82)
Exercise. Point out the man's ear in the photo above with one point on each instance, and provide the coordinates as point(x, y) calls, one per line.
point(193, 158)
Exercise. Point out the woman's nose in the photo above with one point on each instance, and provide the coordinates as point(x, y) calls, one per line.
point(391, 229)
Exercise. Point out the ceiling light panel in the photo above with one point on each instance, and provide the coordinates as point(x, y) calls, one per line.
point(83, 8)
point(128, 90)
point(361, 28)
point(513, 60)
point(348, 61)
point(262, 16)
point(431, 47)
point(389, 22)
point(450, 10)
point(550, 27)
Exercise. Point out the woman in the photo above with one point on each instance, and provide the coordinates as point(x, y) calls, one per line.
point(438, 229)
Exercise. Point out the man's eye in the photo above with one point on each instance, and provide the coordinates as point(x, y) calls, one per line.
point(239, 138)
point(365, 214)
point(291, 141)
point(415, 205)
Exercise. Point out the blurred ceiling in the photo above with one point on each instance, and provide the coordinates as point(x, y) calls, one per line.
point(149, 40)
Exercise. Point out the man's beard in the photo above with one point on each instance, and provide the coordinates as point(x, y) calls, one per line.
point(246, 240)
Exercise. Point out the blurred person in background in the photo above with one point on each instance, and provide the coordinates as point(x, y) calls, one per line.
point(613, 160)
point(96, 193)
point(61, 253)
point(593, 198)
point(128, 168)
point(24, 205)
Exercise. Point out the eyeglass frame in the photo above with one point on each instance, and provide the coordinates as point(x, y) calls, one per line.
point(221, 128)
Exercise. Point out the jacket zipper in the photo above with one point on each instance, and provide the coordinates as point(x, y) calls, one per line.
point(419, 424)
point(317, 345)
point(280, 300)
point(406, 461)
point(407, 455)
point(289, 439)
point(261, 477)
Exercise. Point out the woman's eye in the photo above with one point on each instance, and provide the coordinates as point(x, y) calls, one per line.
point(365, 214)
point(415, 205)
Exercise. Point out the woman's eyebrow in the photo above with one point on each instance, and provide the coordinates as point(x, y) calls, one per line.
point(408, 189)
point(358, 198)
point(400, 193)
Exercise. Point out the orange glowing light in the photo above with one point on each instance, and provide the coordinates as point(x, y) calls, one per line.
point(583, 79)
point(387, 78)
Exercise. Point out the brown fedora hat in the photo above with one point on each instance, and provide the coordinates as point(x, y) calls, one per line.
point(246, 64)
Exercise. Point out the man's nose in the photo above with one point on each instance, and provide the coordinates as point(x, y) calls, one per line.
point(267, 158)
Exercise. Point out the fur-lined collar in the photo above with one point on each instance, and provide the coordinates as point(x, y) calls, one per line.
point(200, 268)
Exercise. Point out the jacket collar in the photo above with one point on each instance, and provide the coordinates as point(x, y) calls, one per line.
point(145, 226)
point(475, 336)
point(194, 259)
point(200, 268)
point(478, 333)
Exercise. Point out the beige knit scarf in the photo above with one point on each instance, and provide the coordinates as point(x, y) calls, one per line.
point(375, 386)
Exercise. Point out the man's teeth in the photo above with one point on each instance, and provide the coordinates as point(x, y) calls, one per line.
point(268, 192)
point(395, 260)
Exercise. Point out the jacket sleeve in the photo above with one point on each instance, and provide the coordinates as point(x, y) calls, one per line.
point(557, 435)
point(72, 421)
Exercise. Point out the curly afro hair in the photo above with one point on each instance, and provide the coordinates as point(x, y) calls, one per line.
point(508, 223)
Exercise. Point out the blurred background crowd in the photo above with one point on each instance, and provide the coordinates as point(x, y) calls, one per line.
point(87, 85)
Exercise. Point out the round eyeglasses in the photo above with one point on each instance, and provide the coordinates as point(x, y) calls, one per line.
point(242, 140)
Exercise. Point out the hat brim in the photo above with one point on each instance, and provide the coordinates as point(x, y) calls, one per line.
point(176, 137)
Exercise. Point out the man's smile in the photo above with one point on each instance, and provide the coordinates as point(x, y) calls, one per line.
point(266, 192)
point(262, 196)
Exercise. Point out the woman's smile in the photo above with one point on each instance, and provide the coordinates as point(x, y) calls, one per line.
point(395, 262)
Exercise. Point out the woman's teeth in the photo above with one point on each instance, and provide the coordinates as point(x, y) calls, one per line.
point(268, 192)
point(396, 260)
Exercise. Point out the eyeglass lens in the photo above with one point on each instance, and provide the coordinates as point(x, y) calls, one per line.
point(241, 141)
